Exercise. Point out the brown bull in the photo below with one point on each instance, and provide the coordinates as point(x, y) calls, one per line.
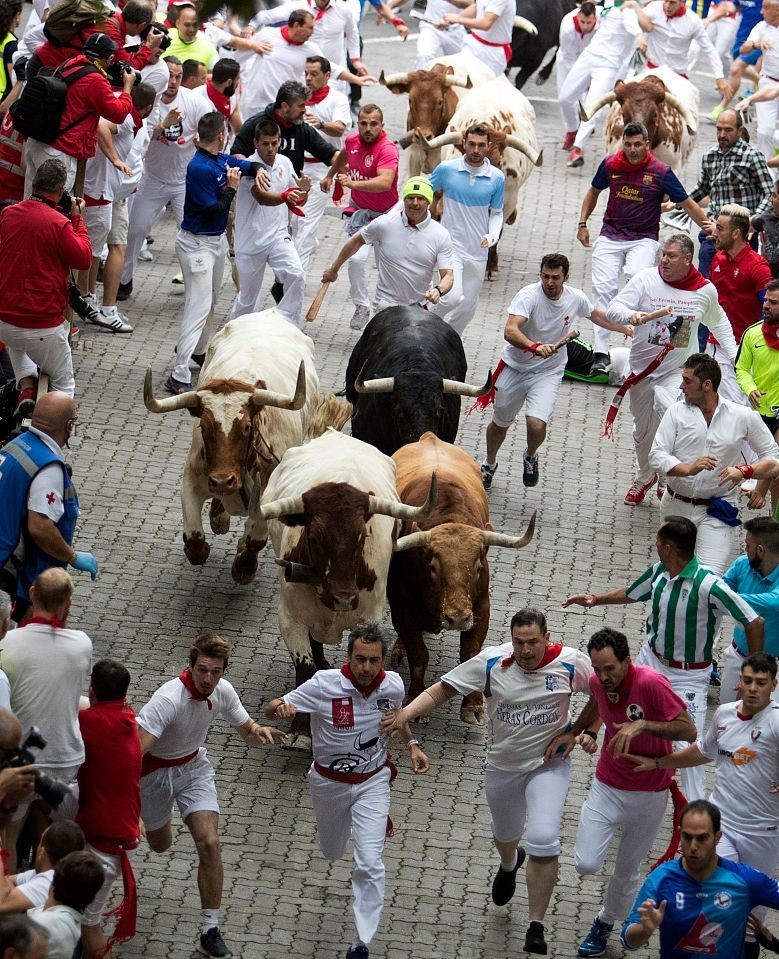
point(439, 576)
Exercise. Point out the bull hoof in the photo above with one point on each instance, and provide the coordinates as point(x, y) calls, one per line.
point(398, 655)
point(244, 567)
point(472, 715)
point(196, 549)
point(299, 742)
point(219, 518)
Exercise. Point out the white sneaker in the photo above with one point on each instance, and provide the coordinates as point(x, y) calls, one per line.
point(360, 317)
point(145, 256)
point(112, 320)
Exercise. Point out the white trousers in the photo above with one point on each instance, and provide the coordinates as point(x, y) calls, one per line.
point(468, 278)
point(35, 154)
point(202, 260)
point(492, 57)
point(649, 400)
point(360, 810)
point(145, 208)
point(587, 74)
point(714, 543)
point(639, 815)
point(609, 259)
point(731, 676)
point(766, 113)
point(305, 228)
point(358, 276)
point(47, 350)
point(759, 852)
point(282, 257)
point(534, 799)
point(438, 43)
point(692, 687)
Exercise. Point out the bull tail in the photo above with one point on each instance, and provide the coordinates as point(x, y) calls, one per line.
point(328, 412)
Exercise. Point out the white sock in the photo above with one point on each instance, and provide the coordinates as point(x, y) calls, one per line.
point(507, 865)
point(491, 465)
point(209, 918)
point(91, 298)
point(108, 310)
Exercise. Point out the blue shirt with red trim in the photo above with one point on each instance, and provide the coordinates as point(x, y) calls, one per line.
point(633, 210)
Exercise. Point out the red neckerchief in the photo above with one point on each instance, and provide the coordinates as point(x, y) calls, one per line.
point(679, 13)
point(284, 124)
point(320, 11)
point(45, 621)
point(220, 100)
point(692, 280)
point(294, 43)
point(771, 335)
point(364, 691)
point(318, 96)
point(137, 121)
point(550, 654)
point(186, 678)
point(620, 163)
point(576, 26)
point(378, 139)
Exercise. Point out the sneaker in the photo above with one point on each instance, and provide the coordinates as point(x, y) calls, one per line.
point(360, 317)
point(174, 386)
point(277, 292)
point(487, 473)
point(88, 310)
point(568, 140)
point(660, 491)
point(125, 291)
point(715, 676)
point(638, 491)
point(357, 952)
point(714, 115)
point(149, 241)
point(145, 256)
point(113, 321)
point(212, 944)
point(199, 358)
point(534, 939)
point(575, 157)
point(595, 943)
point(178, 279)
point(25, 404)
point(529, 469)
point(505, 883)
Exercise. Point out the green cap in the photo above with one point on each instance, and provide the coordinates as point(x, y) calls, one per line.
point(419, 186)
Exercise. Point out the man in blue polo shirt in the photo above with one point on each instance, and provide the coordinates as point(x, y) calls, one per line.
point(637, 182)
point(473, 215)
point(755, 577)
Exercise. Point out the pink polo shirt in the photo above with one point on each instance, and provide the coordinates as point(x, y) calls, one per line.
point(644, 694)
point(365, 161)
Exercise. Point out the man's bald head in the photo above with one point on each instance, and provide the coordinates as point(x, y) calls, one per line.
point(52, 591)
point(10, 730)
point(52, 412)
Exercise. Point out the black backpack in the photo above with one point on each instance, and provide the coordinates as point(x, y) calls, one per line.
point(38, 111)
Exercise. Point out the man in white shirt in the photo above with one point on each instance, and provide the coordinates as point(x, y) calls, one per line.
point(351, 774)
point(659, 347)
point(577, 29)
point(527, 685)
point(698, 446)
point(77, 880)
point(173, 726)
point(31, 888)
point(47, 665)
point(437, 37)
point(261, 233)
point(541, 317)
point(491, 24)
point(765, 37)
point(409, 246)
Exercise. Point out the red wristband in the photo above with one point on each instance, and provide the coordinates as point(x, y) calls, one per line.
point(532, 348)
point(746, 471)
point(398, 22)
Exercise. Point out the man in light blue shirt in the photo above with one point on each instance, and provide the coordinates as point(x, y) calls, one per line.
point(755, 577)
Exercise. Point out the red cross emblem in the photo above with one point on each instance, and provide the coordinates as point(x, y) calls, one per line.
point(50, 497)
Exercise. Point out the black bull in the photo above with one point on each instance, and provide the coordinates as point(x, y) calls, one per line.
point(527, 52)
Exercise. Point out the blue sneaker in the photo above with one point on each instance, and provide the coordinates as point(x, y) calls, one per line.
point(595, 943)
point(715, 677)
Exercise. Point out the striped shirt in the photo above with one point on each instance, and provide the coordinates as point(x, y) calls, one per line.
point(739, 176)
point(686, 610)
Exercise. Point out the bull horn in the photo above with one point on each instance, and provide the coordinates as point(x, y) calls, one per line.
point(412, 541)
point(406, 140)
point(451, 136)
point(394, 79)
point(527, 25)
point(689, 120)
point(384, 384)
point(457, 388)
point(389, 507)
point(279, 507)
point(513, 542)
point(457, 80)
point(598, 105)
point(536, 157)
point(183, 401)
point(279, 400)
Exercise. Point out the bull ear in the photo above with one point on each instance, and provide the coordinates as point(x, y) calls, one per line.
point(293, 519)
point(618, 85)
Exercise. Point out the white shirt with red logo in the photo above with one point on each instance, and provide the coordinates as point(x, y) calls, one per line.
point(344, 723)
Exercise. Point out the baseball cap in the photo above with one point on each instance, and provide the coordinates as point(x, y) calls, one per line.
point(100, 46)
point(419, 186)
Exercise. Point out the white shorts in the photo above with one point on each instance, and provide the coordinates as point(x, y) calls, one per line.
point(112, 867)
point(537, 392)
point(191, 786)
point(65, 774)
point(97, 220)
point(535, 798)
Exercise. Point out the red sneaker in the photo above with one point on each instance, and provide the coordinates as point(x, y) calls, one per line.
point(568, 141)
point(25, 404)
point(638, 491)
point(576, 157)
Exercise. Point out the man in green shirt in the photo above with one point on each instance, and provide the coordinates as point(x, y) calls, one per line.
point(187, 41)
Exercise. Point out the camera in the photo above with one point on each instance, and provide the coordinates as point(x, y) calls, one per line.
point(157, 28)
point(118, 70)
point(51, 791)
point(78, 304)
point(65, 203)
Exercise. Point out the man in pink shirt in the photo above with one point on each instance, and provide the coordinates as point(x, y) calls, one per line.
point(642, 714)
point(371, 160)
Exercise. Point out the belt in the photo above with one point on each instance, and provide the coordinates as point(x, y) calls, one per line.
point(743, 655)
point(351, 778)
point(152, 763)
point(506, 47)
point(677, 664)
point(688, 499)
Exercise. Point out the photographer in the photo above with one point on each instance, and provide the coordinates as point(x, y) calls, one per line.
point(16, 782)
point(42, 239)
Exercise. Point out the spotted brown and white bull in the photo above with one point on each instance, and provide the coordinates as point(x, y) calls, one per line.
point(258, 395)
point(332, 512)
point(439, 577)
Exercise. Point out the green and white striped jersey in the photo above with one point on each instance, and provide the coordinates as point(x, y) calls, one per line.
point(686, 610)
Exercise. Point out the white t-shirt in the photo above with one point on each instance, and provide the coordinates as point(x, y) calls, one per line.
point(102, 177)
point(615, 39)
point(335, 28)
point(764, 31)
point(526, 708)
point(746, 757)
point(180, 723)
point(572, 43)
point(407, 256)
point(5, 691)
point(502, 28)
point(548, 321)
point(156, 75)
point(48, 485)
point(63, 925)
point(344, 723)
point(668, 44)
point(167, 159)
point(48, 668)
point(257, 226)
point(35, 885)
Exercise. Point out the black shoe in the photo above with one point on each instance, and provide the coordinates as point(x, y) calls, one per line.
point(277, 291)
point(751, 950)
point(505, 883)
point(357, 952)
point(534, 939)
point(125, 291)
point(174, 387)
point(149, 241)
point(212, 944)
point(529, 469)
point(199, 358)
point(600, 363)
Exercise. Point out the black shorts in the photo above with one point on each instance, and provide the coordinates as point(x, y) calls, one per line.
point(772, 422)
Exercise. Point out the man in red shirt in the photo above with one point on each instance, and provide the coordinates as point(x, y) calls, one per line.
point(89, 98)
